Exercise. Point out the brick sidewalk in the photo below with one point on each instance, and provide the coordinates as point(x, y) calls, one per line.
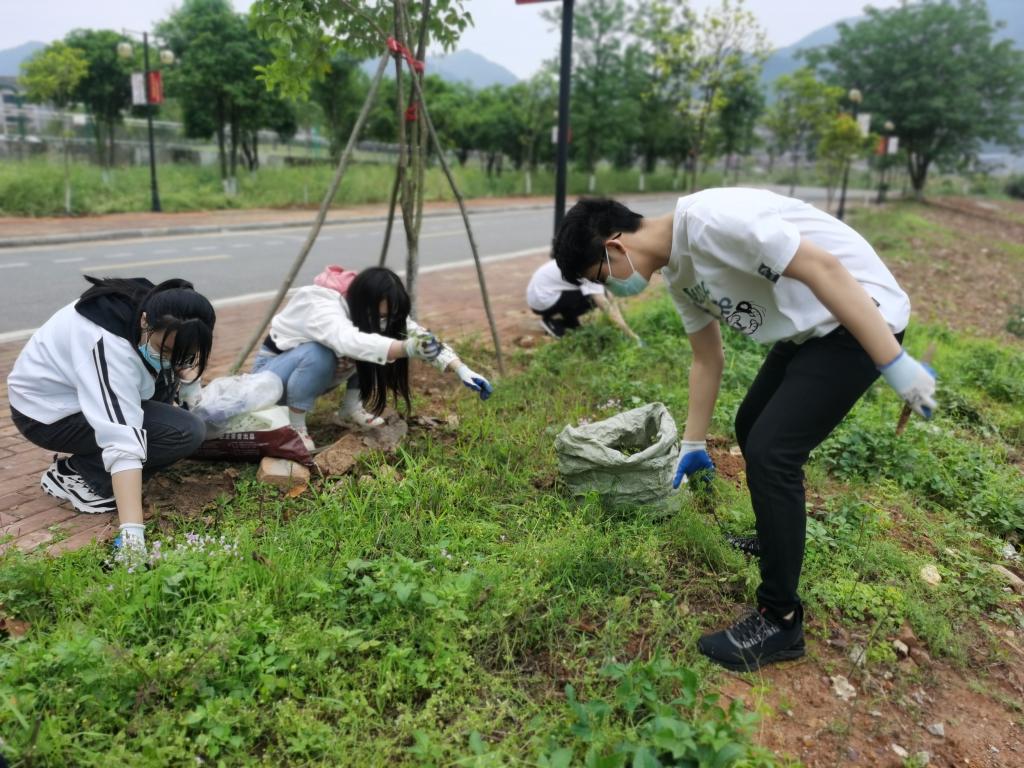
point(450, 305)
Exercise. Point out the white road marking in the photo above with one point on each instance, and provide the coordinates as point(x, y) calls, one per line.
point(157, 262)
point(204, 248)
point(263, 295)
point(12, 264)
point(126, 255)
point(69, 261)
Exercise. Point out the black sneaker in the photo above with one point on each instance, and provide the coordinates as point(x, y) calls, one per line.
point(62, 482)
point(748, 545)
point(552, 327)
point(755, 640)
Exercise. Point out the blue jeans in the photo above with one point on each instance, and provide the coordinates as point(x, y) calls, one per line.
point(307, 371)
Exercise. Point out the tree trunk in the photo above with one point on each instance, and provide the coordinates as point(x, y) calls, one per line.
point(111, 146)
point(222, 155)
point(796, 172)
point(67, 167)
point(917, 168)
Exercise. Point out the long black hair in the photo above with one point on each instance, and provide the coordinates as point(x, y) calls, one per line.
point(376, 382)
point(173, 305)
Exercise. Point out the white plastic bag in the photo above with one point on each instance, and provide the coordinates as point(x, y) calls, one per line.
point(223, 399)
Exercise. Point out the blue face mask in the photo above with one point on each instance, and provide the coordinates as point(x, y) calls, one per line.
point(154, 360)
point(631, 286)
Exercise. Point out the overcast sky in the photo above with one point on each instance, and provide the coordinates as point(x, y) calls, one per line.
point(514, 36)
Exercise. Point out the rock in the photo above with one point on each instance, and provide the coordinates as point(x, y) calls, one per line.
point(858, 655)
point(339, 458)
point(527, 342)
point(901, 753)
point(922, 758)
point(282, 473)
point(735, 451)
point(852, 754)
point(452, 421)
point(930, 575)
point(937, 729)
point(841, 687)
point(1010, 552)
point(875, 713)
point(386, 438)
point(1016, 582)
point(921, 657)
point(901, 648)
point(907, 635)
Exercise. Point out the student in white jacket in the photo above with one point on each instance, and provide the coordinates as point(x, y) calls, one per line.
point(97, 381)
point(785, 274)
point(354, 328)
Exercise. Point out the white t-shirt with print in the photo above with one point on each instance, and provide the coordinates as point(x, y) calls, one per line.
point(547, 284)
point(730, 247)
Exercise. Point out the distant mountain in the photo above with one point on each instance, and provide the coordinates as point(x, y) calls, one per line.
point(472, 68)
point(462, 67)
point(784, 60)
point(10, 59)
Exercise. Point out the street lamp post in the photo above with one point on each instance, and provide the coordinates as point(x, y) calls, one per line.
point(124, 50)
point(887, 128)
point(855, 97)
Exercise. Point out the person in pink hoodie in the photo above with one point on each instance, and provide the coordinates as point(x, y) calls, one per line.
point(355, 328)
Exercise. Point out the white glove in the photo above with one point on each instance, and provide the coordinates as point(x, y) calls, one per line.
point(189, 394)
point(425, 347)
point(474, 381)
point(913, 381)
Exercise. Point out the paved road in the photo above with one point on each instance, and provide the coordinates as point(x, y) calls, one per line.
point(36, 281)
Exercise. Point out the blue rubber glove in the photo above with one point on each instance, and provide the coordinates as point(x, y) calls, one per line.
point(474, 381)
point(913, 381)
point(694, 464)
point(423, 347)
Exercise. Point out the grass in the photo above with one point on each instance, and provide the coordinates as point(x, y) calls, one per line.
point(450, 607)
point(36, 188)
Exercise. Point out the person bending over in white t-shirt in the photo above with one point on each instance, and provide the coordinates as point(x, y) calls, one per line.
point(560, 304)
point(788, 275)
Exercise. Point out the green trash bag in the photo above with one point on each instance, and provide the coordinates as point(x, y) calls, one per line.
point(629, 458)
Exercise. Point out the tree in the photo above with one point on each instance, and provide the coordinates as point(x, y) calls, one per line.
point(106, 88)
point(841, 142)
point(340, 94)
point(959, 88)
point(726, 42)
point(663, 31)
point(304, 35)
point(597, 96)
point(742, 105)
point(803, 109)
point(52, 75)
point(218, 84)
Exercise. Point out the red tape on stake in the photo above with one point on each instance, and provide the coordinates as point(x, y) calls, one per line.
point(411, 114)
point(400, 50)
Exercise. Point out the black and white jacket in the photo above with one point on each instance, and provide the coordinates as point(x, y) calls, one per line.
point(82, 360)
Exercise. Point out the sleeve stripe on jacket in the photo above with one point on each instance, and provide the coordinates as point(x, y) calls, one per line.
point(110, 400)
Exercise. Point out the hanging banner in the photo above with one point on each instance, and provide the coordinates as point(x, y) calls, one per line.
point(138, 90)
point(156, 88)
point(894, 145)
point(864, 123)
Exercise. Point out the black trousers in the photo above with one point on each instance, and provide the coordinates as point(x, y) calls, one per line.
point(571, 305)
point(172, 433)
point(802, 393)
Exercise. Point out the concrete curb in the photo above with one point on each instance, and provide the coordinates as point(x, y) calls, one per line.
point(206, 229)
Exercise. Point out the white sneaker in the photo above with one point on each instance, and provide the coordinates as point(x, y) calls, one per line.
point(62, 482)
point(359, 418)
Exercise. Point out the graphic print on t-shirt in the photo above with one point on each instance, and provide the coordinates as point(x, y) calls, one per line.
point(743, 316)
point(747, 318)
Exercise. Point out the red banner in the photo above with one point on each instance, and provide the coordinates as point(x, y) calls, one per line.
point(156, 88)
